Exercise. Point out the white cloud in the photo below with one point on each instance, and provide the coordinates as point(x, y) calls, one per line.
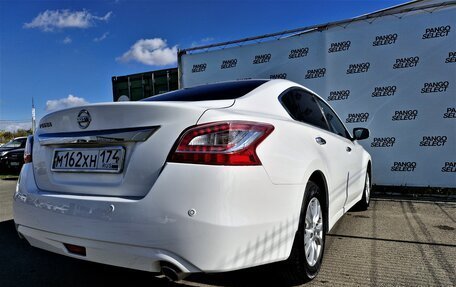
point(102, 37)
point(60, 19)
point(70, 101)
point(13, 126)
point(67, 40)
point(154, 52)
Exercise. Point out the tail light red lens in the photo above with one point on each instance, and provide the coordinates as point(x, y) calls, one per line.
point(221, 143)
point(28, 150)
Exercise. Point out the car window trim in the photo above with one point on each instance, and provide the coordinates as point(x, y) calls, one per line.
point(321, 110)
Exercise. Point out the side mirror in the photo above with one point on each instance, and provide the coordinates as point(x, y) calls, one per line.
point(360, 133)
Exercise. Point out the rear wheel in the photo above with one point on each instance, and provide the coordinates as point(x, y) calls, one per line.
point(308, 247)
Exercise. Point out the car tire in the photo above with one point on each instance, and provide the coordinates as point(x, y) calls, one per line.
point(302, 266)
point(363, 204)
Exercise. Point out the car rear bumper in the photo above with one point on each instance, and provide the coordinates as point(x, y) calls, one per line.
point(240, 220)
point(129, 256)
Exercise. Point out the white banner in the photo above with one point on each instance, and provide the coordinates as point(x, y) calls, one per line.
point(395, 75)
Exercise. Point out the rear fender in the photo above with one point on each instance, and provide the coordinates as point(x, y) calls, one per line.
point(316, 166)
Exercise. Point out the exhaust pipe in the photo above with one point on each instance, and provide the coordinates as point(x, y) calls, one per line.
point(171, 272)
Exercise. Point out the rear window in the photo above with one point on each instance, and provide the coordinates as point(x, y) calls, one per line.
point(16, 143)
point(210, 92)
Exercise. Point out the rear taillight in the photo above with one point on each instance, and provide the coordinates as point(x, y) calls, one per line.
point(221, 143)
point(28, 150)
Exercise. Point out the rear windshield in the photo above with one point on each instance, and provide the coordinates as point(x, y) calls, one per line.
point(210, 92)
point(16, 143)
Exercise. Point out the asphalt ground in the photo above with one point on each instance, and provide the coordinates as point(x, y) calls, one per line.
point(394, 243)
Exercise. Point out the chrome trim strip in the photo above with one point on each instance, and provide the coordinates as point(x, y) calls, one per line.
point(98, 136)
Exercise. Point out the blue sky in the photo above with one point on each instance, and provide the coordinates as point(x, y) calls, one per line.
point(65, 52)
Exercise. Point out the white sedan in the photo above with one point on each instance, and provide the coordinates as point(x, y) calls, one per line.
point(212, 178)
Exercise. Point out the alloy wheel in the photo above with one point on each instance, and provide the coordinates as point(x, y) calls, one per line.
point(313, 237)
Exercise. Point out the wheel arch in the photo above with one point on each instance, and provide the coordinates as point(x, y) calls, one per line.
point(319, 179)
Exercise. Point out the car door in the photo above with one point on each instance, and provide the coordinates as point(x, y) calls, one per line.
point(303, 107)
point(352, 150)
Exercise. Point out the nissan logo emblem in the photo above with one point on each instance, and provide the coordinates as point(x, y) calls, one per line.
point(84, 119)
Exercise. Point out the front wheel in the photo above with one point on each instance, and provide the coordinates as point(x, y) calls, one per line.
point(308, 247)
point(363, 204)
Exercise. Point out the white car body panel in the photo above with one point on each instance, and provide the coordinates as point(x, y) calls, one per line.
point(232, 229)
point(244, 216)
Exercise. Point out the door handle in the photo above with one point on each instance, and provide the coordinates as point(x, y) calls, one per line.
point(348, 149)
point(320, 140)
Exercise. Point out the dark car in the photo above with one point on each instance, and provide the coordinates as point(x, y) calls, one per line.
point(12, 154)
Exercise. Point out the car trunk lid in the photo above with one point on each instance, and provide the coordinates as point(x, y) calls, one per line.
point(139, 135)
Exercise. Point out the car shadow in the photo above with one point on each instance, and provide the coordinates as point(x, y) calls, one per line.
point(10, 178)
point(24, 265)
point(9, 175)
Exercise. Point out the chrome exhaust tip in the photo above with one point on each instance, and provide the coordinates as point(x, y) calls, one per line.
point(171, 272)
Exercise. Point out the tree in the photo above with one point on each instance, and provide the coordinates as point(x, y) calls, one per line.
point(6, 136)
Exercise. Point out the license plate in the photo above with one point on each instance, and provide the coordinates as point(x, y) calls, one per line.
point(108, 159)
point(13, 163)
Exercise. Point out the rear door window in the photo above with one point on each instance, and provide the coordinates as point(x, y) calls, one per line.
point(334, 122)
point(303, 107)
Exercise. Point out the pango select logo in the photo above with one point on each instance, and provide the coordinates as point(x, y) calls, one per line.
point(358, 68)
point(199, 68)
point(433, 141)
point(451, 57)
point(405, 115)
point(298, 53)
point(435, 87)
point(264, 58)
point(226, 64)
point(450, 166)
point(338, 95)
point(385, 40)
point(357, 118)
point(384, 91)
point(436, 32)
point(278, 76)
point(406, 62)
point(339, 46)
point(450, 113)
point(403, 166)
point(315, 73)
point(383, 142)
